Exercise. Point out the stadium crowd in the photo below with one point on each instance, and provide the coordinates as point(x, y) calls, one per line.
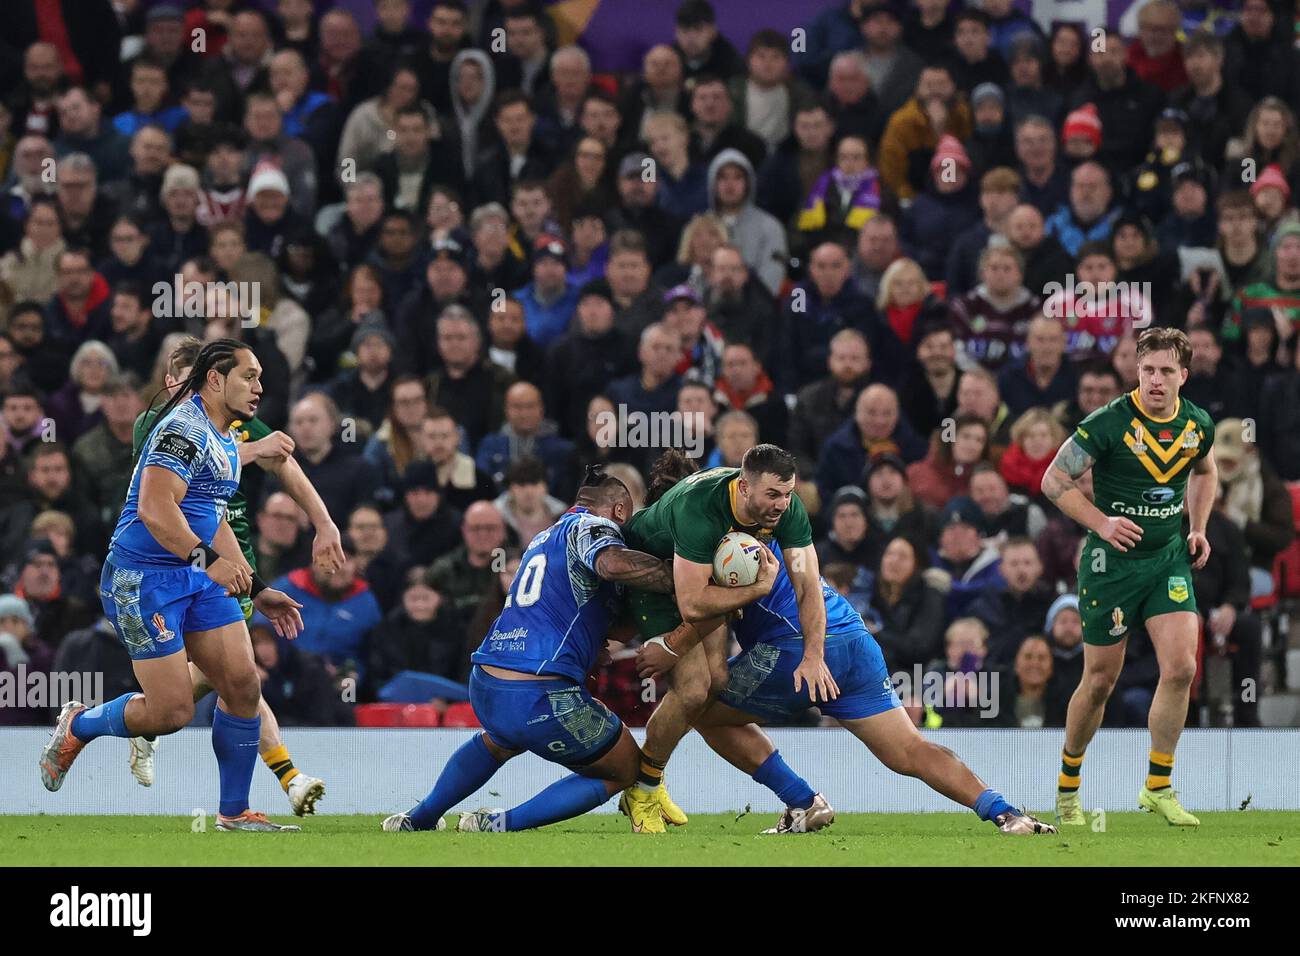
point(916, 252)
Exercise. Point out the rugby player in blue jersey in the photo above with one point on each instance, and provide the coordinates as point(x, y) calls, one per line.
point(527, 682)
point(762, 688)
point(171, 584)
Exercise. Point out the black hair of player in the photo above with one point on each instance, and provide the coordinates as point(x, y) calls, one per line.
point(768, 459)
point(599, 489)
point(669, 468)
point(219, 354)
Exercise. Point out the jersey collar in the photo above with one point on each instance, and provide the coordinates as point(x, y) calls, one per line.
point(1137, 403)
point(733, 489)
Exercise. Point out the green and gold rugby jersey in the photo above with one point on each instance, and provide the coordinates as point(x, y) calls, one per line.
point(237, 508)
point(1141, 465)
point(693, 515)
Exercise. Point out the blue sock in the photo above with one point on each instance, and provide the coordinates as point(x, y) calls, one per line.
point(990, 805)
point(471, 766)
point(106, 720)
point(570, 797)
point(234, 741)
point(790, 788)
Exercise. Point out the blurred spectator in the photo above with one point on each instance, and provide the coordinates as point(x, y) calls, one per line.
point(757, 234)
point(365, 133)
point(343, 477)
point(395, 444)
point(297, 684)
point(908, 612)
point(75, 408)
point(875, 428)
point(1040, 377)
point(1018, 607)
point(970, 564)
point(31, 270)
point(463, 574)
point(420, 634)
point(80, 309)
point(338, 613)
point(794, 165)
point(876, 249)
point(739, 305)
point(352, 238)
point(460, 481)
point(913, 133)
point(992, 320)
point(494, 264)
point(24, 656)
point(526, 504)
point(946, 205)
point(101, 457)
point(423, 527)
point(824, 405)
point(683, 184)
point(703, 50)
point(819, 307)
point(1064, 629)
point(463, 380)
point(736, 433)
point(50, 488)
point(1126, 104)
point(1006, 515)
point(1231, 628)
point(1031, 695)
point(379, 564)
point(1046, 261)
point(1088, 215)
point(363, 392)
point(550, 299)
point(581, 181)
point(846, 541)
point(1255, 500)
point(745, 385)
point(518, 154)
point(137, 337)
point(929, 392)
point(279, 541)
point(1035, 438)
point(1098, 384)
point(999, 195)
point(955, 451)
point(966, 678)
point(527, 433)
point(40, 582)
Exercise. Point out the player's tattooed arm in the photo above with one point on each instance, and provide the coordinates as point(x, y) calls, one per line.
point(1066, 468)
point(635, 569)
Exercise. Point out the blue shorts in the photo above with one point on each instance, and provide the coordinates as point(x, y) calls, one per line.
point(762, 679)
point(152, 610)
point(555, 719)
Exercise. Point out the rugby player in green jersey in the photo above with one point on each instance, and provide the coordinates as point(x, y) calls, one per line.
point(273, 451)
point(685, 526)
point(1149, 453)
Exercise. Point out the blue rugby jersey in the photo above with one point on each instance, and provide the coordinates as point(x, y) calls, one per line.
point(187, 444)
point(774, 619)
point(558, 610)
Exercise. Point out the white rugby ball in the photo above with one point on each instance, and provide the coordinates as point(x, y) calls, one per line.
point(735, 562)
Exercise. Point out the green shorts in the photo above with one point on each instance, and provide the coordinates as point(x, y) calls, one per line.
point(1127, 589)
point(653, 613)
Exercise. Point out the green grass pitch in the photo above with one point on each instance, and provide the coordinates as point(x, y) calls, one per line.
point(1250, 838)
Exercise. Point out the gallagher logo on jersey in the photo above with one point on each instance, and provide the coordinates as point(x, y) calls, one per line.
point(1159, 495)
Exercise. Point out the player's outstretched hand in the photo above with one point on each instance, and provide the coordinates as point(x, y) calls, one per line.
point(235, 577)
point(815, 673)
point(768, 566)
point(1120, 533)
point(327, 550)
point(1198, 546)
point(282, 611)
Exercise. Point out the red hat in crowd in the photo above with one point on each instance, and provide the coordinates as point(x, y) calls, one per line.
point(950, 147)
point(1271, 176)
point(1083, 122)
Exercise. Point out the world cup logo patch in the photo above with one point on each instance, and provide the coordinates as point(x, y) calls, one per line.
point(160, 625)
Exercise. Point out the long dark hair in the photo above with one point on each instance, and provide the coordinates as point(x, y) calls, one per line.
point(219, 354)
point(669, 468)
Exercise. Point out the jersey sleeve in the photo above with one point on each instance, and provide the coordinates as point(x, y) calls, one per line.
point(176, 445)
point(794, 530)
point(1208, 430)
point(1095, 434)
point(252, 430)
point(693, 534)
point(591, 535)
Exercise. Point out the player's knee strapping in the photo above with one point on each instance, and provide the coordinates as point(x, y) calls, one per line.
point(1160, 768)
point(1071, 767)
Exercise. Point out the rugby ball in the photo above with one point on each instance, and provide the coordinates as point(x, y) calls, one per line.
point(735, 562)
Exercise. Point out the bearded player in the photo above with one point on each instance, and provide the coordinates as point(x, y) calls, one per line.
point(759, 689)
point(685, 526)
point(273, 452)
point(1150, 455)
